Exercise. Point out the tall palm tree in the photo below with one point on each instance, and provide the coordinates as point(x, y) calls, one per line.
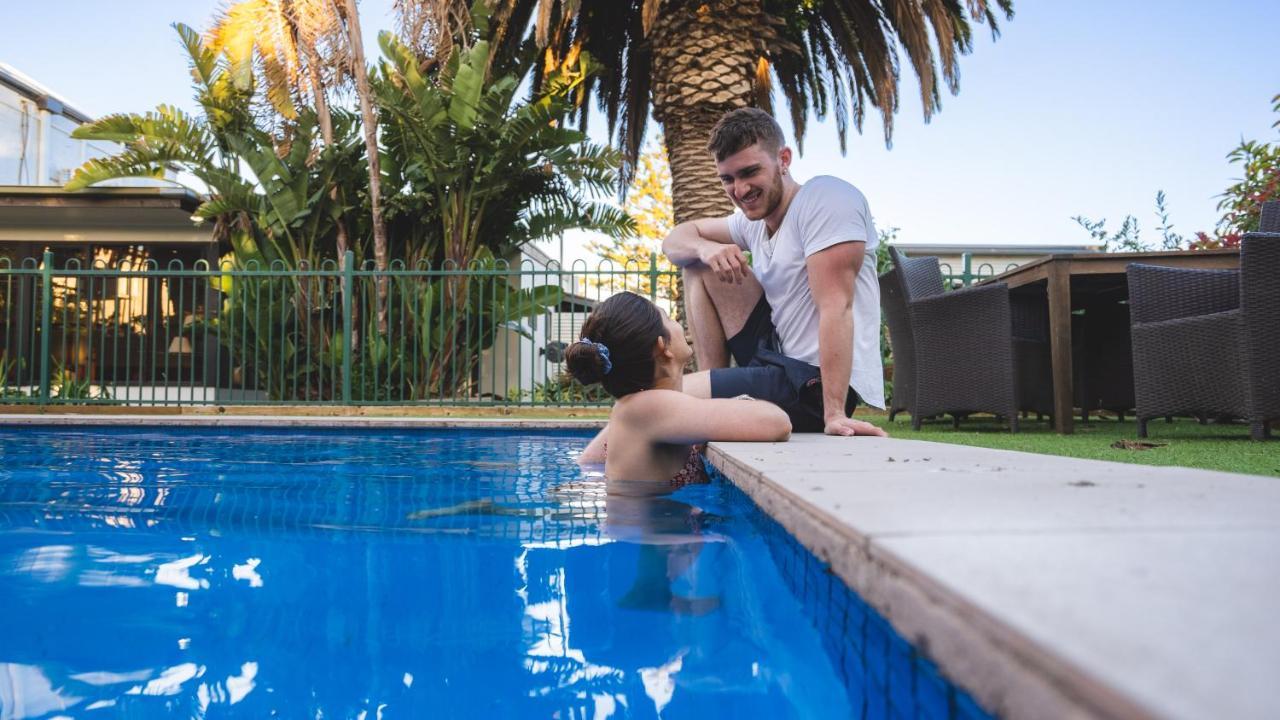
point(256, 39)
point(349, 21)
point(281, 37)
point(689, 61)
point(299, 54)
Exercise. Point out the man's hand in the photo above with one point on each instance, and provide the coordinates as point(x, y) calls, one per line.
point(726, 261)
point(849, 427)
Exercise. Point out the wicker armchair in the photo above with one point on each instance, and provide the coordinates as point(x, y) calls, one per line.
point(1269, 222)
point(894, 305)
point(1207, 342)
point(954, 352)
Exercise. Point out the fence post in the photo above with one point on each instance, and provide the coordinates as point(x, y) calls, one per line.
point(653, 277)
point(348, 289)
point(46, 323)
point(967, 278)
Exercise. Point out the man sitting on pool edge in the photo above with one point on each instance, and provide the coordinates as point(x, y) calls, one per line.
point(802, 321)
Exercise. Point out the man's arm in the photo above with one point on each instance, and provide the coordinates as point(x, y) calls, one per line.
point(706, 242)
point(832, 274)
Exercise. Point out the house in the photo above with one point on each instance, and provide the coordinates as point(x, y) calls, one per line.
point(122, 224)
point(38, 156)
point(123, 329)
point(529, 353)
point(36, 147)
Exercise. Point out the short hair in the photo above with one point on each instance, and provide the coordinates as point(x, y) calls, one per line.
point(742, 128)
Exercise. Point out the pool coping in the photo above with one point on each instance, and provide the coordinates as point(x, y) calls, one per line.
point(1014, 674)
point(993, 657)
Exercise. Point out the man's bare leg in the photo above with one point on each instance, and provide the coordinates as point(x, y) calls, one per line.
point(697, 384)
point(716, 311)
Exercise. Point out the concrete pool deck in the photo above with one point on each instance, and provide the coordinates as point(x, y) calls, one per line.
point(1048, 587)
point(1045, 586)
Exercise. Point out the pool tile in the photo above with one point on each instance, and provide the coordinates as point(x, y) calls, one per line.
point(968, 709)
point(931, 691)
point(901, 678)
point(877, 705)
point(884, 676)
point(877, 651)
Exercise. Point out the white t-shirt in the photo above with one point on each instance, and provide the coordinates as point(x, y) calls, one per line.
point(825, 212)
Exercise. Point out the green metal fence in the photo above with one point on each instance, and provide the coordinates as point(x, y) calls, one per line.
point(145, 335)
point(968, 273)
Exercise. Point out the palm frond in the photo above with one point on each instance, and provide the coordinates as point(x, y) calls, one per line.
point(824, 56)
point(203, 60)
point(257, 39)
point(164, 123)
point(125, 165)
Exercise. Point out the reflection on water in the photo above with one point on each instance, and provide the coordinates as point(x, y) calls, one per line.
point(341, 574)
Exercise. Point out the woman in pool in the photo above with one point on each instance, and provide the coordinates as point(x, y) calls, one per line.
point(655, 431)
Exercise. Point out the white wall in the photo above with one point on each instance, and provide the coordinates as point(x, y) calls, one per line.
point(36, 147)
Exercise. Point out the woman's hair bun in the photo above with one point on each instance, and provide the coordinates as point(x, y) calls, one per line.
point(584, 362)
point(617, 345)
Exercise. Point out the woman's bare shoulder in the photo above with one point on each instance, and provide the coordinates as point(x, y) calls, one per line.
point(645, 403)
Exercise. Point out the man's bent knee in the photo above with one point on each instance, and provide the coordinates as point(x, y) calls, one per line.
point(733, 302)
point(697, 384)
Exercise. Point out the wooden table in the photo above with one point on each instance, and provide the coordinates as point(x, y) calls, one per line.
point(1057, 274)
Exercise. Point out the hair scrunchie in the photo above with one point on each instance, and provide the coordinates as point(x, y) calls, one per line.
point(604, 353)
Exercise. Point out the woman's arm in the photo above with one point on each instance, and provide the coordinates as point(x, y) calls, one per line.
point(594, 452)
point(669, 416)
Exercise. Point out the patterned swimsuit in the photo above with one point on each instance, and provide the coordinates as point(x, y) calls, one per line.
point(693, 471)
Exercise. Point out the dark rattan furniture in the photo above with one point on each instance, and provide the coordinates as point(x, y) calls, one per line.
point(1072, 282)
point(954, 352)
point(1207, 342)
point(894, 305)
point(1269, 220)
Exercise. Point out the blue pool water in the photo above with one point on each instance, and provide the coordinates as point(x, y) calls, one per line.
point(237, 573)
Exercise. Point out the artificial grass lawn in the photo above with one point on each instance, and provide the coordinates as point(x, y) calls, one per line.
point(1187, 443)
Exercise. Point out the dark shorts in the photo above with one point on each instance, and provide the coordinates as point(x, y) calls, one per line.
point(766, 374)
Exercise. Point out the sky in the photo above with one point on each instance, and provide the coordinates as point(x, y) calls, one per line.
point(1086, 107)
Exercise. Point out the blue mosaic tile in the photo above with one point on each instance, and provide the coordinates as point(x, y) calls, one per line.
point(932, 691)
point(902, 699)
point(966, 708)
point(877, 652)
point(833, 639)
point(854, 677)
point(884, 676)
point(856, 624)
point(877, 705)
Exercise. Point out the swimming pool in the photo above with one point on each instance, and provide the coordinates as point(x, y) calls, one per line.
point(321, 573)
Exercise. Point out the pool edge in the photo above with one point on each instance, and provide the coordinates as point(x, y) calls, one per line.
point(1009, 674)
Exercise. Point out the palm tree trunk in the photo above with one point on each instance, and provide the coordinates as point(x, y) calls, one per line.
point(704, 64)
point(323, 116)
point(325, 119)
point(351, 19)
